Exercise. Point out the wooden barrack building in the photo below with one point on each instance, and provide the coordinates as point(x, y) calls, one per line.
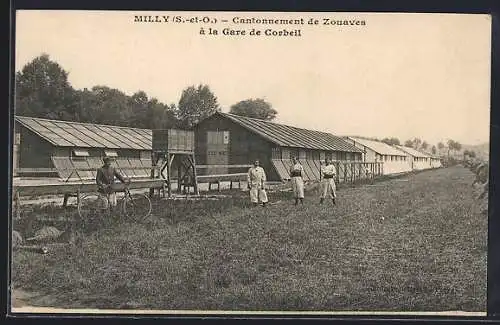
point(226, 139)
point(73, 151)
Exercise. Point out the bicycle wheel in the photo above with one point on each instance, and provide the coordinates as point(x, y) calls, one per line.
point(137, 206)
point(92, 206)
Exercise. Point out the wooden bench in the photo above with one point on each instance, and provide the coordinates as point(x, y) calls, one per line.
point(217, 179)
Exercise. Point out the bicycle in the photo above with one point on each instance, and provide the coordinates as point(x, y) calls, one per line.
point(136, 207)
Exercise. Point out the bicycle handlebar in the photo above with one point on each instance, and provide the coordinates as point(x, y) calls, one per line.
point(113, 186)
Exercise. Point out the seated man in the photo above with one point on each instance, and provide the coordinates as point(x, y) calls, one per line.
point(105, 179)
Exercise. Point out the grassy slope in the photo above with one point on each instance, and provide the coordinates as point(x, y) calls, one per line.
point(428, 253)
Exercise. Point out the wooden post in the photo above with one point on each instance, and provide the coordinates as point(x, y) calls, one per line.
point(345, 172)
point(195, 176)
point(18, 205)
point(338, 172)
point(153, 165)
point(65, 200)
point(353, 171)
point(179, 176)
point(169, 184)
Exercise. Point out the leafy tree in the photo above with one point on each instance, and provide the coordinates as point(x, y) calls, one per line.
point(424, 145)
point(469, 154)
point(409, 143)
point(434, 150)
point(453, 145)
point(416, 143)
point(440, 146)
point(466, 154)
point(161, 116)
point(140, 116)
point(111, 106)
point(391, 141)
point(43, 90)
point(196, 104)
point(85, 102)
point(256, 108)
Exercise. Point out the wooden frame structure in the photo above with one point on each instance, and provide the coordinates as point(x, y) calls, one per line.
point(186, 169)
point(175, 149)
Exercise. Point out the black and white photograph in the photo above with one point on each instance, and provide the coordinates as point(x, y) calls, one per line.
point(291, 163)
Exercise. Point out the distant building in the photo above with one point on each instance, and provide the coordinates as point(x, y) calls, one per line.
point(65, 149)
point(394, 160)
point(416, 159)
point(436, 162)
point(227, 139)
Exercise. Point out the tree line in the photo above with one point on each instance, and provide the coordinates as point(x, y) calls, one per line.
point(43, 90)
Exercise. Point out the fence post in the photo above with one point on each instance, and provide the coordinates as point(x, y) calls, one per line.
point(338, 172)
point(353, 177)
point(18, 206)
point(179, 178)
point(345, 171)
point(153, 165)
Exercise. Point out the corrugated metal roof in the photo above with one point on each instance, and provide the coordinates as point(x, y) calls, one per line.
point(379, 147)
point(289, 136)
point(87, 135)
point(413, 152)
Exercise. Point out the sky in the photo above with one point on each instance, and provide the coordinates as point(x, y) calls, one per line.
point(392, 75)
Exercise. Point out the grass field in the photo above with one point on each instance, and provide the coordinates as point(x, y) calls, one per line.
point(416, 243)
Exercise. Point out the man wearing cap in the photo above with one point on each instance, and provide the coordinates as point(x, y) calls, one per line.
point(328, 173)
point(105, 179)
point(256, 178)
point(296, 172)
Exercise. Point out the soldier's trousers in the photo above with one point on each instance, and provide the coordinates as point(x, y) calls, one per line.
point(258, 194)
point(328, 188)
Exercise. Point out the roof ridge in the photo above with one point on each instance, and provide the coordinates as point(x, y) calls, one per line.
point(77, 134)
point(368, 141)
point(275, 123)
point(292, 136)
point(85, 123)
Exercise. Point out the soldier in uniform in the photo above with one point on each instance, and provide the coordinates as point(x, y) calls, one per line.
point(105, 179)
point(328, 173)
point(256, 179)
point(296, 172)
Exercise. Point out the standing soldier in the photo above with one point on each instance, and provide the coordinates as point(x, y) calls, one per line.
point(256, 179)
point(297, 181)
point(328, 173)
